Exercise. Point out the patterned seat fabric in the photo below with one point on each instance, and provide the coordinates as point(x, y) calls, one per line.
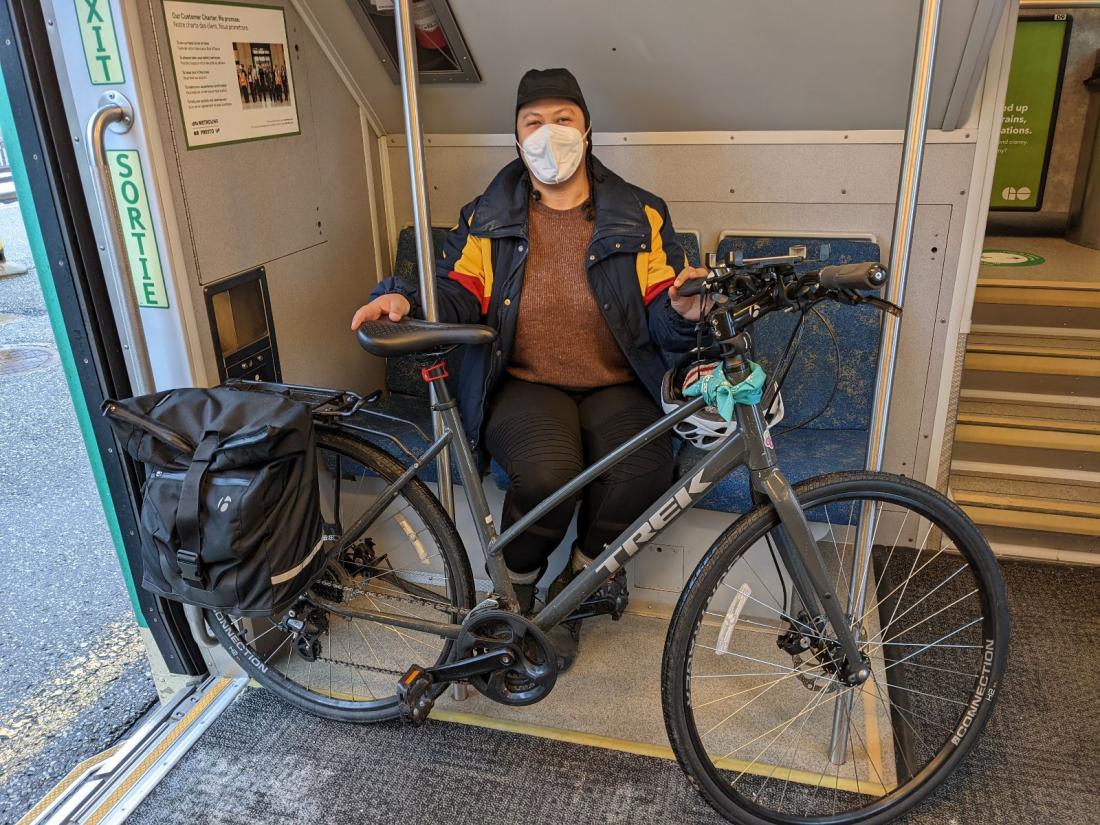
point(827, 398)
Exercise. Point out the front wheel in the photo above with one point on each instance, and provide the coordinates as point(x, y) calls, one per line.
point(753, 705)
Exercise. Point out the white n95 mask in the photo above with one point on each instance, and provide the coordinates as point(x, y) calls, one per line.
point(553, 152)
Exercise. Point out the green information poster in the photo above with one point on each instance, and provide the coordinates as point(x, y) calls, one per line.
point(1031, 106)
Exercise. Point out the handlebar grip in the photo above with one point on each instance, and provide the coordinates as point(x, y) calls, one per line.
point(692, 287)
point(867, 275)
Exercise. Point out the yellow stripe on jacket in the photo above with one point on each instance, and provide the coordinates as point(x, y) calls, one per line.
point(655, 271)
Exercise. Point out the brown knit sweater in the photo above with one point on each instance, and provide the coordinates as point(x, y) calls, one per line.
point(562, 338)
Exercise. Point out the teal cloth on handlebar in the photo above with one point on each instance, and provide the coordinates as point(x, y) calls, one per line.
point(718, 392)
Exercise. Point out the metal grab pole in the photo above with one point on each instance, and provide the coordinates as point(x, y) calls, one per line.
point(901, 241)
point(115, 112)
point(425, 251)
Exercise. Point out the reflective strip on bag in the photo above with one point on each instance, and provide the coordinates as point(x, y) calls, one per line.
point(298, 568)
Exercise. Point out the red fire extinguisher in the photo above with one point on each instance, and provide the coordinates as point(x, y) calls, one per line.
point(429, 32)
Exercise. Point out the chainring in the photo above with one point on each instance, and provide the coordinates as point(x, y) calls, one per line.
point(534, 668)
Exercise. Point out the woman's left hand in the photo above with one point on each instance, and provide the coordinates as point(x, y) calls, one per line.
point(689, 307)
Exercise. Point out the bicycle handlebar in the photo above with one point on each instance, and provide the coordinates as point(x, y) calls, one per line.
point(852, 276)
point(867, 275)
point(692, 287)
point(743, 294)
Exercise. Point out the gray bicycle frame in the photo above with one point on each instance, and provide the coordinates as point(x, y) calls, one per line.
point(751, 446)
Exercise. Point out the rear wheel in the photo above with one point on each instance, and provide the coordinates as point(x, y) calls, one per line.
point(753, 705)
point(410, 561)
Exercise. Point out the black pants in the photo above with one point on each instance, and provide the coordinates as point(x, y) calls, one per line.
point(544, 437)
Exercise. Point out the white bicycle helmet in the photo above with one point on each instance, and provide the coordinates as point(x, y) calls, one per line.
point(706, 428)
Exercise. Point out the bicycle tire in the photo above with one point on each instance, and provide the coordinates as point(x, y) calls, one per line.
point(733, 544)
point(455, 561)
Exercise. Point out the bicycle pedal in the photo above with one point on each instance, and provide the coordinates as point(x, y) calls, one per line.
point(414, 695)
point(610, 600)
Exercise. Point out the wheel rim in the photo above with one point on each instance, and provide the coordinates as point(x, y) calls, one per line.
point(334, 661)
point(764, 716)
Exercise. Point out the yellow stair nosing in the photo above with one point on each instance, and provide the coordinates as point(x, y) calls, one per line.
point(1035, 283)
point(1025, 349)
point(1033, 364)
point(1007, 296)
point(1019, 437)
point(1040, 522)
point(1047, 506)
point(1030, 423)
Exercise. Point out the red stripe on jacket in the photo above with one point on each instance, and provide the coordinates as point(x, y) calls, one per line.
point(656, 290)
point(474, 286)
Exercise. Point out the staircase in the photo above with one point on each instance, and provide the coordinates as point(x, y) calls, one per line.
point(1026, 460)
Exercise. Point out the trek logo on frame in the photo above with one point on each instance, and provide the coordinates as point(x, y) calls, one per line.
point(97, 31)
point(135, 218)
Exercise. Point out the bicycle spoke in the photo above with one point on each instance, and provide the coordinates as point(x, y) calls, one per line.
point(788, 732)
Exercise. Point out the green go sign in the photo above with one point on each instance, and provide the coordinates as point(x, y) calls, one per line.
point(132, 201)
point(1031, 106)
point(97, 31)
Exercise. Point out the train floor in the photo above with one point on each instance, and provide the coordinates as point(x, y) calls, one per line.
point(263, 761)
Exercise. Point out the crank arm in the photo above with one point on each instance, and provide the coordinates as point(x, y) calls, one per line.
point(488, 662)
point(415, 691)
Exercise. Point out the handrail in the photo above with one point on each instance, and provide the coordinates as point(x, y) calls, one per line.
point(425, 250)
point(901, 242)
point(114, 110)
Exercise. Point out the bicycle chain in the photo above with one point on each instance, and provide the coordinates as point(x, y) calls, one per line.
point(358, 666)
point(448, 609)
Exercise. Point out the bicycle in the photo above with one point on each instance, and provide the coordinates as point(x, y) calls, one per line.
point(835, 653)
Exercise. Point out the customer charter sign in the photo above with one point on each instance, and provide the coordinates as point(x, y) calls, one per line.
point(233, 73)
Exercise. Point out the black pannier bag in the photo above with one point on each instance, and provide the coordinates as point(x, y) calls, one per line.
point(230, 517)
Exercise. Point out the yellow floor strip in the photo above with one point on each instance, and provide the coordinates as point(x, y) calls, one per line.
point(154, 755)
point(1040, 522)
point(1032, 364)
point(62, 786)
point(1037, 295)
point(594, 740)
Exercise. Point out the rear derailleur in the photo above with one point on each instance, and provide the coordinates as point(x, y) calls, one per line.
point(306, 625)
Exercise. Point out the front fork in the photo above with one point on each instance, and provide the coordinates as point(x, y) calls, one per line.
point(794, 540)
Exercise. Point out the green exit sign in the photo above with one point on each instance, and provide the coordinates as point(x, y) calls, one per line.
point(97, 31)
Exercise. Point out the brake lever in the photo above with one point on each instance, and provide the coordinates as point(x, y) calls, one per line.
point(851, 296)
point(881, 304)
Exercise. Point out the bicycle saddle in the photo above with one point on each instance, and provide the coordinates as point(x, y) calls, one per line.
point(387, 338)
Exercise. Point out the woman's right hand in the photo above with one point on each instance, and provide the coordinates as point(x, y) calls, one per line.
point(392, 304)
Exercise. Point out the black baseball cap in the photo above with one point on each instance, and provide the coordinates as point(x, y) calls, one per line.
point(538, 84)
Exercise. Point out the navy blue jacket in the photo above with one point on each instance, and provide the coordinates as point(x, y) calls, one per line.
point(632, 260)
